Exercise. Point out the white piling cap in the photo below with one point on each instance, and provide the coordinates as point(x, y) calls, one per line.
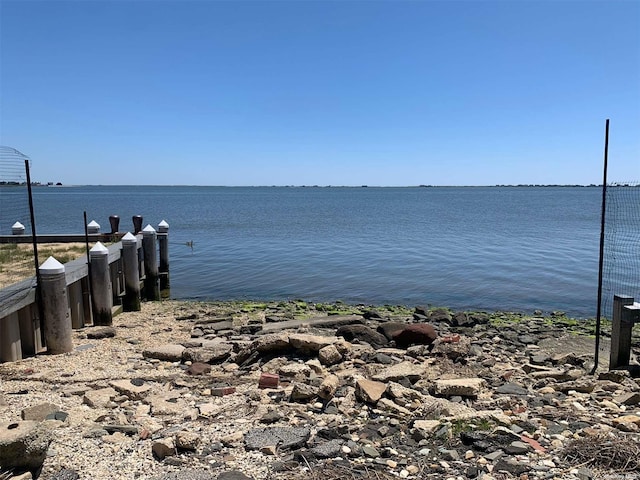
point(93, 224)
point(148, 230)
point(17, 225)
point(129, 238)
point(98, 250)
point(163, 226)
point(51, 266)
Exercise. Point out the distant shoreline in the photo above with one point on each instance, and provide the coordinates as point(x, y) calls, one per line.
point(38, 184)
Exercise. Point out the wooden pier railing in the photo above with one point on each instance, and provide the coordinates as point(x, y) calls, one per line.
point(80, 293)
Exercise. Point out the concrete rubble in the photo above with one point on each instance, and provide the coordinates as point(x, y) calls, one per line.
point(218, 391)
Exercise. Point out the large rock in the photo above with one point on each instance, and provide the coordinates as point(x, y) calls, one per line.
point(134, 389)
point(271, 343)
point(411, 371)
point(38, 413)
point(209, 354)
point(452, 346)
point(415, 334)
point(391, 329)
point(100, 397)
point(168, 353)
point(463, 387)
point(362, 333)
point(309, 344)
point(329, 355)
point(23, 445)
point(369, 391)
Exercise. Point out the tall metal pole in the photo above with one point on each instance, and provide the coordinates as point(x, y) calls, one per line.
point(34, 241)
point(601, 263)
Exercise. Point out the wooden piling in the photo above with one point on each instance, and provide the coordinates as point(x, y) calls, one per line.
point(93, 227)
point(163, 246)
point(151, 287)
point(17, 229)
point(30, 336)
point(114, 221)
point(131, 300)
point(137, 223)
point(101, 301)
point(57, 323)
point(621, 326)
point(10, 346)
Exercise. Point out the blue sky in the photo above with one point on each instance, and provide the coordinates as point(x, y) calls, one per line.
point(327, 93)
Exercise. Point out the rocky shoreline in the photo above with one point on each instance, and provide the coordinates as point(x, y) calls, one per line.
point(285, 390)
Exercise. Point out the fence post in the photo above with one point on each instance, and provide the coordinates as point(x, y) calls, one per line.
point(93, 227)
point(131, 300)
point(102, 301)
point(57, 324)
point(17, 229)
point(163, 245)
point(621, 326)
point(149, 239)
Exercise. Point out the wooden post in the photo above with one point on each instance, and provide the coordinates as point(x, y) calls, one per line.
point(17, 229)
point(621, 327)
point(93, 227)
point(114, 221)
point(10, 346)
point(29, 332)
point(163, 245)
point(131, 301)
point(102, 302)
point(76, 306)
point(137, 223)
point(57, 324)
point(151, 288)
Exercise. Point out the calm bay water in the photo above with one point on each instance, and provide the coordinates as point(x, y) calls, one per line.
point(464, 247)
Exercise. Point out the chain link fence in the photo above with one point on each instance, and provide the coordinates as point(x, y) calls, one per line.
point(17, 260)
point(621, 274)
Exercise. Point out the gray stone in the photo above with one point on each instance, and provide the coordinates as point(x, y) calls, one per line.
point(512, 466)
point(272, 342)
point(303, 392)
point(517, 448)
point(38, 413)
point(133, 389)
point(330, 449)
point(453, 347)
point(464, 387)
point(168, 353)
point(209, 354)
point(98, 333)
point(23, 445)
point(370, 451)
point(411, 371)
point(99, 398)
point(282, 437)
point(511, 389)
point(309, 344)
point(329, 355)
